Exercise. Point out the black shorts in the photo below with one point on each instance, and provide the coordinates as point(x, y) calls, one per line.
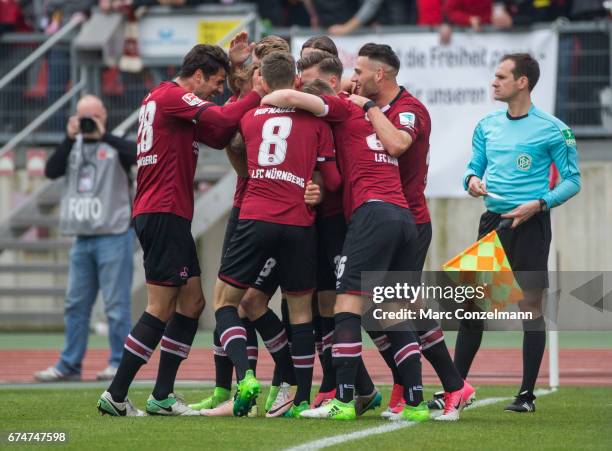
point(232, 222)
point(267, 281)
point(290, 250)
point(330, 233)
point(170, 256)
point(380, 237)
point(423, 242)
point(526, 247)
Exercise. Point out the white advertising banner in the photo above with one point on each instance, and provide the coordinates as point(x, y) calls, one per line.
point(454, 83)
point(173, 36)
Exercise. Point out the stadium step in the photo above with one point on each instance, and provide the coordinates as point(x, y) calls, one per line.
point(43, 245)
point(24, 222)
point(54, 292)
point(34, 267)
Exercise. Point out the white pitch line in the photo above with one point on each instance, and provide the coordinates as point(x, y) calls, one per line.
point(342, 438)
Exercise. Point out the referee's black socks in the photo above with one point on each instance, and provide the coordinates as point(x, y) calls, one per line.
point(534, 342)
point(139, 345)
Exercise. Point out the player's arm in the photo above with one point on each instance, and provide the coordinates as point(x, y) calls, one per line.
point(236, 154)
point(228, 115)
point(472, 178)
point(326, 159)
point(285, 98)
point(394, 140)
point(564, 153)
point(314, 193)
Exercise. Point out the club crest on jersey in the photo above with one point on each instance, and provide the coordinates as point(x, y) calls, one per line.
point(192, 100)
point(570, 139)
point(407, 119)
point(523, 162)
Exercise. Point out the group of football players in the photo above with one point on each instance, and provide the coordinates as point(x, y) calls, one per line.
point(331, 176)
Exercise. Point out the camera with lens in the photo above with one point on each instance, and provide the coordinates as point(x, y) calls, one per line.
point(87, 125)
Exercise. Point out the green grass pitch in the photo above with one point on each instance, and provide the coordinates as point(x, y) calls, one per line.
point(571, 418)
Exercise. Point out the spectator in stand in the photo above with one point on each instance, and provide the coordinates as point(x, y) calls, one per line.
point(465, 13)
point(525, 12)
point(11, 17)
point(429, 12)
point(590, 9)
point(59, 13)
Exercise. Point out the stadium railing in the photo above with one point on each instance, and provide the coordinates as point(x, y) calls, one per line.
point(39, 210)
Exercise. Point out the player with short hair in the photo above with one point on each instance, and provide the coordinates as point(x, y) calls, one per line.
point(283, 148)
point(163, 210)
point(253, 310)
point(324, 43)
point(402, 124)
point(322, 68)
point(381, 237)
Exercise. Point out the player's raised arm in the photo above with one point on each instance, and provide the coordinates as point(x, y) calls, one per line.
point(285, 98)
point(394, 140)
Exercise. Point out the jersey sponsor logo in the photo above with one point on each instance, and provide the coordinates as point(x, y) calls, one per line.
point(407, 119)
point(570, 139)
point(523, 162)
point(192, 100)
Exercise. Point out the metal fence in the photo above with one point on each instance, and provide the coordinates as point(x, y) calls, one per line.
point(584, 82)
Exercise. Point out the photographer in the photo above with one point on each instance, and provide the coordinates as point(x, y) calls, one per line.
point(96, 209)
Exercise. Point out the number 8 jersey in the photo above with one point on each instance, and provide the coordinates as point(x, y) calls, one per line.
point(283, 148)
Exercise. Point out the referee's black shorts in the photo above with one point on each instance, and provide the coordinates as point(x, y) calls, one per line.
point(527, 247)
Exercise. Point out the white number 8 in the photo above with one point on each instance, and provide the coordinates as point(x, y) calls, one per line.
point(145, 127)
point(275, 131)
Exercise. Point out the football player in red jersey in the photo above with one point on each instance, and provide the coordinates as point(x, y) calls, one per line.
point(253, 310)
point(381, 236)
point(402, 124)
point(331, 228)
point(283, 148)
point(163, 209)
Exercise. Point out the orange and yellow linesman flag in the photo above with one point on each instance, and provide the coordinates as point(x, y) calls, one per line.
point(485, 263)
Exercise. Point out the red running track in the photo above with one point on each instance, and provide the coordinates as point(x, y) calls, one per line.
point(492, 366)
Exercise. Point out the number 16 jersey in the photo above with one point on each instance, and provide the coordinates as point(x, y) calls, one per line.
point(283, 148)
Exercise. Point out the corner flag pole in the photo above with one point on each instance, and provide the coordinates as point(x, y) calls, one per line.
point(552, 306)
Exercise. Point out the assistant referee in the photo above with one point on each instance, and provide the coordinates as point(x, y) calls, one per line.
point(513, 150)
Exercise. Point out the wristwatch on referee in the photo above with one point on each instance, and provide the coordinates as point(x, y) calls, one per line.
point(543, 205)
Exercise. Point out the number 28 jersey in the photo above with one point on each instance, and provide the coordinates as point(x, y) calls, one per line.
point(283, 147)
